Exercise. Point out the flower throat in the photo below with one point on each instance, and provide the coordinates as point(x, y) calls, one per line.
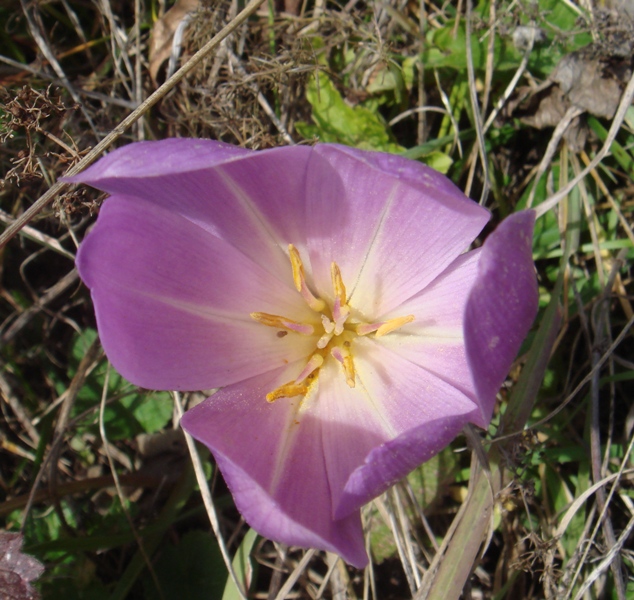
point(336, 331)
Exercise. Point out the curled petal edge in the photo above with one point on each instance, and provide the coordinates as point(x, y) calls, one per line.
point(390, 462)
point(501, 307)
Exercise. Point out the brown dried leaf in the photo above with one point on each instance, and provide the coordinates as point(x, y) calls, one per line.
point(585, 79)
point(590, 83)
point(163, 33)
point(17, 570)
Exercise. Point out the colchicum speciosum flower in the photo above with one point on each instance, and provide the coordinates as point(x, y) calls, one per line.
point(327, 291)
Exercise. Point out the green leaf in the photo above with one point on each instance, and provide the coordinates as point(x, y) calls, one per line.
point(431, 479)
point(439, 161)
point(242, 567)
point(192, 569)
point(336, 122)
point(153, 411)
point(132, 413)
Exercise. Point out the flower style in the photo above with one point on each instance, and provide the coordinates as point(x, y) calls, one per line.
point(327, 291)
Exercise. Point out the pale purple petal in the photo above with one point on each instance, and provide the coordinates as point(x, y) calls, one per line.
point(272, 458)
point(392, 396)
point(393, 229)
point(157, 159)
point(344, 410)
point(502, 305)
point(435, 340)
point(388, 463)
point(173, 301)
point(253, 200)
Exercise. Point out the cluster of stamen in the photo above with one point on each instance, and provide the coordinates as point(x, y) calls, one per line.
point(338, 333)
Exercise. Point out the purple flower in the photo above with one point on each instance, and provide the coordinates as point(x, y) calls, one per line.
point(327, 292)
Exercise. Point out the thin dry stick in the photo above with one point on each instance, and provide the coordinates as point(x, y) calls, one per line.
point(6, 394)
point(601, 335)
point(96, 95)
point(607, 561)
point(626, 101)
point(294, 576)
point(46, 50)
point(326, 581)
point(511, 86)
point(406, 526)
point(489, 69)
point(399, 539)
point(25, 317)
point(578, 502)
point(187, 68)
point(422, 96)
point(572, 113)
point(613, 205)
point(138, 80)
point(85, 365)
point(583, 382)
point(263, 102)
point(207, 499)
point(617, 477)
point(475, 109)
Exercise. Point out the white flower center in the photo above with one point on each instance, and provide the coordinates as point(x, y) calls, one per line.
point(337, 334)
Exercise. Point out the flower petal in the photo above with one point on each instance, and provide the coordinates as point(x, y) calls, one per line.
point(394, 227)
point(392, 397)
point(173, 301)
point(388, 463)
point(502, 305)
point(253, 200)
point(272, 458)
point(435, 339)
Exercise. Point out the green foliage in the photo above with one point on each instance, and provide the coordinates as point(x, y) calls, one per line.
point(192, 568)
point(130, 413)
point(242, 567)
point(336, 121)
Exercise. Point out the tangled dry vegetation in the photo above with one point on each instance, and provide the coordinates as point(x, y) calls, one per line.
point(521, 103)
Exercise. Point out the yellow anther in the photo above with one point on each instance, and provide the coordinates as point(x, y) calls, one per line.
point(342, 354)
point(393, 324)
point(337, 283)
point(288, 390)
point(282, 323)
point(298, 267)
point(299, 279)
point(348, 367)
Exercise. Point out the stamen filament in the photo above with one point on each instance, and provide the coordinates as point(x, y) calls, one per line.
point(282, 322)
point(367, 328)
point(324, 340)
point(340, 314)
point(329, 329)
point(299, 279)
point(288, 390)
point(345, 358)
point(329, 326)
point(316, 360)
